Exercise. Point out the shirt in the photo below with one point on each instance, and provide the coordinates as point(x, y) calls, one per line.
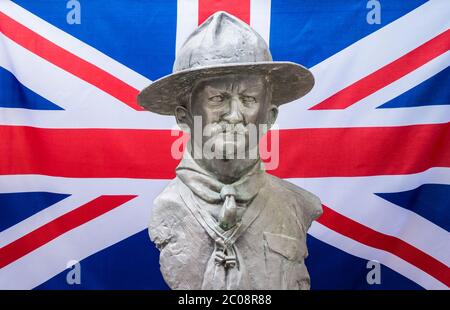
point(265, 250)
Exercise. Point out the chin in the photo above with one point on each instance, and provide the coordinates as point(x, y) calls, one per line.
point(229, 171)
point(230, 149)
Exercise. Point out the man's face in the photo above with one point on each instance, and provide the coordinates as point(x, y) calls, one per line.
point(231, 107)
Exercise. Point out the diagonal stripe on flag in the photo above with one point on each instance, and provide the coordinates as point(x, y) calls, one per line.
point(387, 74)
point(394, 245)
point(59, 226)
point(69, 61)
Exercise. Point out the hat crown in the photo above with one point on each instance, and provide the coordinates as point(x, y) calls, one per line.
point(221, 39)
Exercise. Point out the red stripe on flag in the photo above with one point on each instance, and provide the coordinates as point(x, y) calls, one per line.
point(365, 235)
point(387, 74)
point(87, 153)
point(131, 153)
point(363, 151)
point(238, 8)
point(69, 62)
point(59, 226)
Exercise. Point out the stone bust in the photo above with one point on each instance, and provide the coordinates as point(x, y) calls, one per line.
point(223, 222)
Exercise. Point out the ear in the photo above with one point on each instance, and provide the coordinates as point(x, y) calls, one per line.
point(272, 115)
point(183, 116)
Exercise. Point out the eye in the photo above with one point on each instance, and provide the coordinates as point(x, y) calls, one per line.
point(217, 98)
point(248, 100)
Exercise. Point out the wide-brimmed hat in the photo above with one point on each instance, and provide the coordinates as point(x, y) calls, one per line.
point(222, 45)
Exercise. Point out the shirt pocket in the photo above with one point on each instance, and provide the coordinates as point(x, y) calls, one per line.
point(289, 247)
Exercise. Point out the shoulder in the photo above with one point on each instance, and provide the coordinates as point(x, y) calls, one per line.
point(169, 198)
point(308, 206)
point(168, 211)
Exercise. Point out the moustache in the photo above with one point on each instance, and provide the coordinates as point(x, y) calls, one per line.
point(226, 128)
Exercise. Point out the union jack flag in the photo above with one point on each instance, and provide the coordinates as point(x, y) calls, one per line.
point(81, 162)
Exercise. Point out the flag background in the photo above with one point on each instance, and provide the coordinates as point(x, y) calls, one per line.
point(81, 163)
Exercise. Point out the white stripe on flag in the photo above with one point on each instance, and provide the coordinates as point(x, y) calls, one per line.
point(187, 20)
point(260, 18)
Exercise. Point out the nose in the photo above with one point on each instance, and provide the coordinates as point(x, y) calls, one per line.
point(234, 116)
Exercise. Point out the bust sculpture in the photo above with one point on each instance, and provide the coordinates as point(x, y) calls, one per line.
point(224, 222)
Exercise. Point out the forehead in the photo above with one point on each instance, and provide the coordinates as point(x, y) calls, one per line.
point(229, 82)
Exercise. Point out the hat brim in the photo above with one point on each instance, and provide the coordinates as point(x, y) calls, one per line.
point(289, 81)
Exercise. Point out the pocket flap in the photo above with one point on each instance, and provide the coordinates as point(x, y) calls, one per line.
point(286, 246)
